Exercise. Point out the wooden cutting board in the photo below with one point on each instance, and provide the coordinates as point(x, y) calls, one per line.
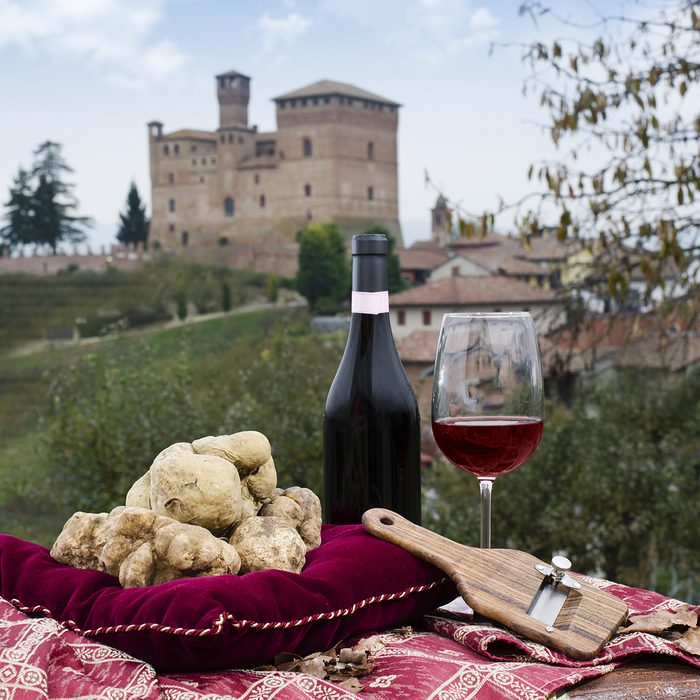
point(501, 584)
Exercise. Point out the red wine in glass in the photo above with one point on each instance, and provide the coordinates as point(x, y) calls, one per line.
point(487, 397)
point(488, 446)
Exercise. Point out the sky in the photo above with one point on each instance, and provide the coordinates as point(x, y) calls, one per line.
point(91, 73)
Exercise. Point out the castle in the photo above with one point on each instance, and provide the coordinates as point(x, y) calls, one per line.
point(332, 158)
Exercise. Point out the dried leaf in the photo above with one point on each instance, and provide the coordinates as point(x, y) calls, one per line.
point(661, 620)
point(351, 684)
point(690, 641)
point(313, 667)
point(370, 645)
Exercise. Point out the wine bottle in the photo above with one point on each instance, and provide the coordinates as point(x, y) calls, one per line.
point(371, 426)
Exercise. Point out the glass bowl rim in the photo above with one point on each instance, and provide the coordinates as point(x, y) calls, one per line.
point(483, 314)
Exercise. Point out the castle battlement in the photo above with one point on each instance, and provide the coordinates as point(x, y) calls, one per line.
point(123, 257)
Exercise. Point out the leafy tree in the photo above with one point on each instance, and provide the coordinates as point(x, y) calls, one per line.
point(21, 224)
point(324, 269)
point(133, 227)
point(54, 201)
point(393, 266)
point(625, 106)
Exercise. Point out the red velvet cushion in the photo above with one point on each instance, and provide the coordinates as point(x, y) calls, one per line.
point(352, 584)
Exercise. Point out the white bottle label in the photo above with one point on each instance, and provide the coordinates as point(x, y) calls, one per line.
point(370, 303)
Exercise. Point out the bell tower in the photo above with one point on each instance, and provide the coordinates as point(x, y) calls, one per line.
point(440, 222)
point(233, 91)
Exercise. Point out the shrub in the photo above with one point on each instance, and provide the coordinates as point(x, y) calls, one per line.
point(110, 414)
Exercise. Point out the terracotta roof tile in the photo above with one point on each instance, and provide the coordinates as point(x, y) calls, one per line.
point(333, 87)
point(419, 346)
point(421, 258)
point(191, 134)
point(675, 353)
point(472, 291)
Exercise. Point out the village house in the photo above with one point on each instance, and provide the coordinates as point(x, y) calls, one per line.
point(422, 307)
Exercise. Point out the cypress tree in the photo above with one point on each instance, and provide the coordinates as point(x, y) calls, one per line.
point(133, 226)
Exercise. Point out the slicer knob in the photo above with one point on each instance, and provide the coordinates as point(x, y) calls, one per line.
point(560, 566)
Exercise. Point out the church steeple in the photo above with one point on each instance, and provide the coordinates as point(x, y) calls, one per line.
point(441, 222)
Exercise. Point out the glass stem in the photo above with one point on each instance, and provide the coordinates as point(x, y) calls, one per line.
point(485, 486)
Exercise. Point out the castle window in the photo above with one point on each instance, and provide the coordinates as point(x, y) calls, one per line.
point(194, 161)
point(176, 149)
point(308, 148)
point(213, 161)
point(230, 138)
point(228, 207)
point(309, 216)
point(171, 228)
point(171, 205)
point(204, 161)
point(262, 200)
point(257, 179)
point(223, 241)
point(292, 103)
point(193, 148)
point(185, 238)
point(401, 317)
point(303, 102)
point(282, 155)
point(166, 150)
point(315, 101)
point(223, 138)
point(427, 317)
point(370, 193)
point(370, 151)
point(307, 190)
point(341, 100)
point(326, 100)
point(240, 139)
point(171, 178)
point(201, 178)
point(283, 104)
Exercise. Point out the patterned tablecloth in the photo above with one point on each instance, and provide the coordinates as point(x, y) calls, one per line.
point(440, 658)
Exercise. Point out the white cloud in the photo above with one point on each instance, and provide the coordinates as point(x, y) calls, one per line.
point(436, 31)
point(449, 27)
point(279, 32)
point(114, 36)
point(482, 19)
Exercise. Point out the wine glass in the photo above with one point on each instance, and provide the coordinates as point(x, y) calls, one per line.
point(487, 397)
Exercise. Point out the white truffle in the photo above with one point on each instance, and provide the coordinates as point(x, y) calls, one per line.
point(269, 543)
point(202, 490)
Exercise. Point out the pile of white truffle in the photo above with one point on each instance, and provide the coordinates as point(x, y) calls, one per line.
point(205, 508)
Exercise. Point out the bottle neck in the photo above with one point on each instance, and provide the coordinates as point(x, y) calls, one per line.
point(370, 295)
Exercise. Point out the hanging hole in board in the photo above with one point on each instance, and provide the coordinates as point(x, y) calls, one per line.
point(386, 520)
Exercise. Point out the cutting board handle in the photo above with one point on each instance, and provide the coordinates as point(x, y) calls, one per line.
point(427, 545)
